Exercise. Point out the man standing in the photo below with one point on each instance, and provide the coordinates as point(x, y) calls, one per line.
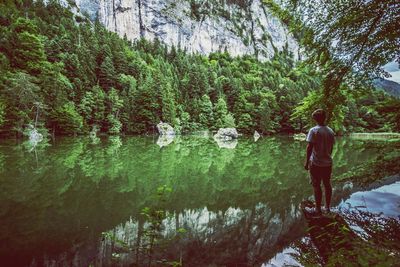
point(320, 140)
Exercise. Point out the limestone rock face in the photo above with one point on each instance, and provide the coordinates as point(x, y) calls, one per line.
point(165, 129)
point(226, 134)
point(201, 26)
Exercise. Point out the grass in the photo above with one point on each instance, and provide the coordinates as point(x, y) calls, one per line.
point(375, 136)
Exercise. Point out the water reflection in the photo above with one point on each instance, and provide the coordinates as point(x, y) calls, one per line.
point(165, 140)
point(75, 202)
point(384, 200)
point(357, 224)
point(202, 237)
point(230, 144)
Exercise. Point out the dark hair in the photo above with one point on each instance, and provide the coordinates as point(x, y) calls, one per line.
point(319, 116)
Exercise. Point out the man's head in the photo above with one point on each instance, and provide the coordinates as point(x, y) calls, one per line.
point(319, 116)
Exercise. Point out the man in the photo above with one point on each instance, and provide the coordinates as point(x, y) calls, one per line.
point(319, 160)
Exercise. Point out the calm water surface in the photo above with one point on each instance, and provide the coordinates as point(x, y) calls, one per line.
point(139, 201)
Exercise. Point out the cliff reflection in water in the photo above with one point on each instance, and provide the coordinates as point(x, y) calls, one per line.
point(204, 238)
point(77, 202)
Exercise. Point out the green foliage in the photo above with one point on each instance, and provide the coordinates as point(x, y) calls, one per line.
point(47, 59)
point(347, 40)
point(26, 46)
point(382, 166)
point(114, 105)
point(206, 116)
point(388, 110)
point(2, 113)
point(265, 112)
point(92, 106)
point(224, 119)
point(67, 120)
point(20, 92)
point(200, 173)
point(183, 120)
point(107, 73)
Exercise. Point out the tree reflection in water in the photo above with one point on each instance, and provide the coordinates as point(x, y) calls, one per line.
point(204, 238)
point(225, 206)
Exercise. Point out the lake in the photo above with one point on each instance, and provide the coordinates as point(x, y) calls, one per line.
point(139, 201)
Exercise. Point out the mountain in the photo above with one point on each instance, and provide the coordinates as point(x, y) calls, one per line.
point(391, 67)
point(204, 26)
point(390, 87)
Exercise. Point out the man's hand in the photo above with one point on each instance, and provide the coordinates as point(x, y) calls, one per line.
point(306, 166)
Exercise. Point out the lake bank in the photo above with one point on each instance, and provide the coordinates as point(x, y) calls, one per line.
point(363, 229)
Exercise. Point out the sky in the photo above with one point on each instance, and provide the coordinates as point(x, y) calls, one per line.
point(393, 69)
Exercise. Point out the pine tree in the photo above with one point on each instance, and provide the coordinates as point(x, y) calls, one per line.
point(146, 106)
point(206, 116)
point(107, 74)
point(115, 103)
point(27, 49)
point(223, 118)
point(66, 119)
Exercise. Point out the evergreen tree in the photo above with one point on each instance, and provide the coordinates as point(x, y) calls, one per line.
point(106, 73)
point(92, 107)
point(145, 105)
point(266, 123)
point(115, 103)
point(26, 47)
point(66, 120)
point(48, 62)
point(243, 109)
point(128, 91)
point(223, 118)
point(21, 92)
point(206, 116)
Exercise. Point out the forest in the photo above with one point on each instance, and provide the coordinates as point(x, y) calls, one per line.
point(65, 75)
point(127, 197)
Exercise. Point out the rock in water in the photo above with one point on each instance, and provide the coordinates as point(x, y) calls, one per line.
point(256, 136)
point(230, 144)
point(93, 135)
point(300, 137)
point(165, 129)
point(165, 140)
point(94, 131)
point(226, 134)
point(34, 136)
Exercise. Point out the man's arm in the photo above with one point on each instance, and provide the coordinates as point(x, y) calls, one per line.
point(308, 155)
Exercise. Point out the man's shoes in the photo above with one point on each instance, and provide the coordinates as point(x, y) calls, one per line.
point(313, 211)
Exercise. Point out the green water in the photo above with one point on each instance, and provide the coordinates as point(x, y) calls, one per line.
point(78, 202)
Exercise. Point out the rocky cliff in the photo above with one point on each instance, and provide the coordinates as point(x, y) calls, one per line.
point(204, 26)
